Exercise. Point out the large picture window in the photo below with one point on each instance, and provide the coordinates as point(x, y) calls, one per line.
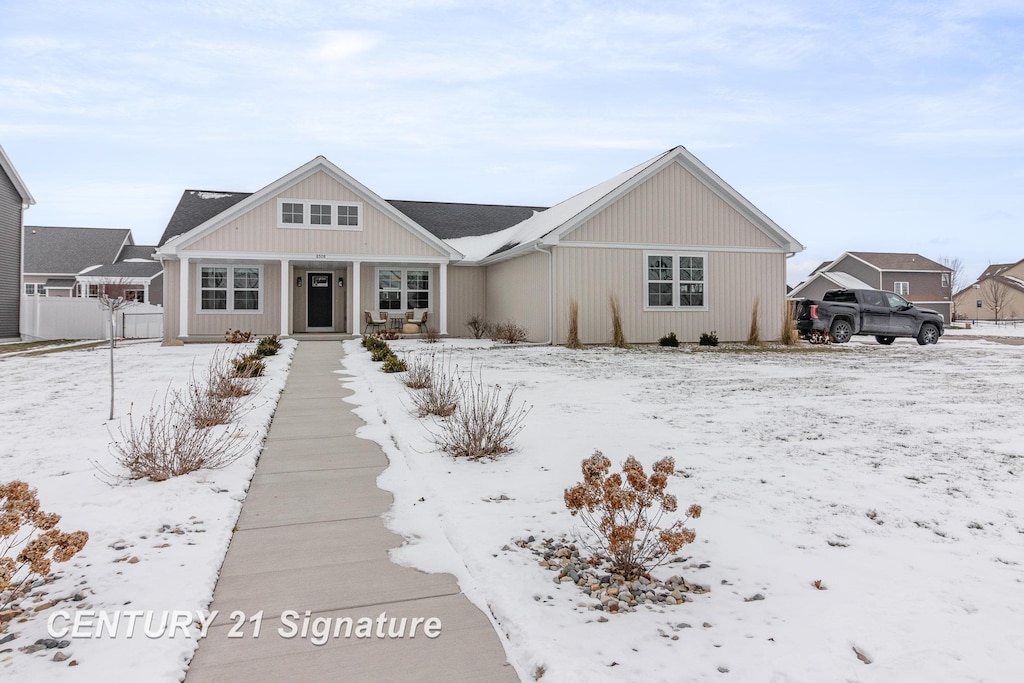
point(320, 214)
point(230, 288)
point(403, 289)
point(675, 281)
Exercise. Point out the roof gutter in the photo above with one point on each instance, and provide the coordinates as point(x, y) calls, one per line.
point(551, 292)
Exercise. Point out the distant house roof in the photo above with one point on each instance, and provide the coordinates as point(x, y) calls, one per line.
point(832, 277)
point(59, 283)
point(896, 261)
point(66, 251)
point(445, 220)
point(995, 269)
point(127, 270)
point(137, 251)
point(12, 173)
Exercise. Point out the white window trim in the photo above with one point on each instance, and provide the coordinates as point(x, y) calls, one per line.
point(675, 307)
point(230, 310)
point(306, 223)
point(404, 301)
point(906, 288)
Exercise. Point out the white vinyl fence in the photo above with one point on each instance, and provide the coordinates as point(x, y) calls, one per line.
point(52, 317)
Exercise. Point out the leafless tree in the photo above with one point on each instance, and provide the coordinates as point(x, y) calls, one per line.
point(956, 278)
point(113, 297)
point(996, 294)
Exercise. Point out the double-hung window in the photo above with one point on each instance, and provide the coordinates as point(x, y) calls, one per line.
point(402, 289)
point(675, 281)
point(230, 288)
point(901, 288)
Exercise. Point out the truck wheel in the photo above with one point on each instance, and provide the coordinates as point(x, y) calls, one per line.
point(885, 340)
point(929, 334)
point(841, 331)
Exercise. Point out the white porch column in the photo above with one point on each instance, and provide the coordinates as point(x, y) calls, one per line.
point(286, 290)
point(442, 293)
point(183, 297)
point(355, 313)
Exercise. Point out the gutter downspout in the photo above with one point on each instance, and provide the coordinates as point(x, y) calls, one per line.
point(551, 293)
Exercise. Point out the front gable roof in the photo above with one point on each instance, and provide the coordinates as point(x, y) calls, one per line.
point(12, 174)
point(70, 250)
point(555, 223)
point(835, 277)
point(171, 244)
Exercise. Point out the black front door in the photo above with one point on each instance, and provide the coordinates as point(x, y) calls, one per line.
point(319, 302)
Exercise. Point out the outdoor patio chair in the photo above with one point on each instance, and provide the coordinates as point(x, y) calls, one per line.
point(418, 317)
point(379, 322)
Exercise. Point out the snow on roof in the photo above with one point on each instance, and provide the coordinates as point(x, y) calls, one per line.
point(845, 280)
point(543, 222)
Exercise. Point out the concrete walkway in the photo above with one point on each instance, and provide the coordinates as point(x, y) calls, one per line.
point(310, 537)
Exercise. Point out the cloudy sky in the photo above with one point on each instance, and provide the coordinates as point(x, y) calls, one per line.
point(858, 125)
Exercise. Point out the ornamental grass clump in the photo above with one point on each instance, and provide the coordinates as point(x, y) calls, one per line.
point(250, 365)
point(789, 335)
point(29, 543)
point(754, 336)
point(572, 339)
point(626, 513)
point(618, 336)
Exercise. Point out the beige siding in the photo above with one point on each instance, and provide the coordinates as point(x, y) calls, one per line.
point(467, 295)
point(267, 322)
point(672, 207)
point(257, 231)
point(734, 280)
point(171, 299)
point(967, 304)
point(517, 290)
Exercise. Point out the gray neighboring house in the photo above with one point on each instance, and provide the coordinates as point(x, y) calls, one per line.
point(912, 276)
point(75, 262)
point(14, 199)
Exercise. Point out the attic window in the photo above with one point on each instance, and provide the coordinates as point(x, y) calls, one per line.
point(320, 214)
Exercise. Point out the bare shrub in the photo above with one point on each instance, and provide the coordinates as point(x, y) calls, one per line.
point(789, 335)
point(221, 381)
point(420, 373)
point(618, 338)
point(203, 409)
point(484, 424)
point(165, 443)
point(431, 336)
point(237, 337)
point(478, 326)
point(23, 525)
point(441, 395)
point(626, 516)
point(508, 332)
point(572, 340)
point(754, 336)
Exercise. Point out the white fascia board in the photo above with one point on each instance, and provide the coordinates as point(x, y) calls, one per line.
point(320, 163)
point(195, 256)
point(27, 199)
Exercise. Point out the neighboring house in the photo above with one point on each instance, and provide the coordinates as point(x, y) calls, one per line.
point(912, 276)
point(1000, 287)
point(313, 251)
point(75, 262)
point(14, 199)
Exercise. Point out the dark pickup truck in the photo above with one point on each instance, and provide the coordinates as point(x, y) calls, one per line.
point(842, 313)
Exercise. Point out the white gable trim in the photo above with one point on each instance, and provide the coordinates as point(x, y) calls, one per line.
point(173, 245)
point(19, 184)
point(828, 276)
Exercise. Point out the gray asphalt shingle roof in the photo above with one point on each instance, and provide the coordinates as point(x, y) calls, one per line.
point(68, 250)
point(129, 269)
point(446, 220)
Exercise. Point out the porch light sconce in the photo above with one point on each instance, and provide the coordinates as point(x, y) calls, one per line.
point(341, 282)
point(298, 281)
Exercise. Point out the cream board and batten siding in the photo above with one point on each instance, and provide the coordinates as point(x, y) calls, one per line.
point(467, 295)
point(171, 299)
point(268, 321)
point(733, 280)
point(257, 229)
point(671, 207)
point(517, 291)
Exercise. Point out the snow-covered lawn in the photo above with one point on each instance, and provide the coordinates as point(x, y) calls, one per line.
point(891, 474)
point(53, 411)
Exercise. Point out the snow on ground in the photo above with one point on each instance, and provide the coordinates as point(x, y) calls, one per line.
point(891, 474)
point(986, 328)
point(53, 409)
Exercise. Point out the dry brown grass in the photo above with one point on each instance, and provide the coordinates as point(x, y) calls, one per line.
point(572, 340)
point(618, 337)
point(754, 336)
point(789, 336)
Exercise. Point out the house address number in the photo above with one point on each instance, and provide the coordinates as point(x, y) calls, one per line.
point(321, 256)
